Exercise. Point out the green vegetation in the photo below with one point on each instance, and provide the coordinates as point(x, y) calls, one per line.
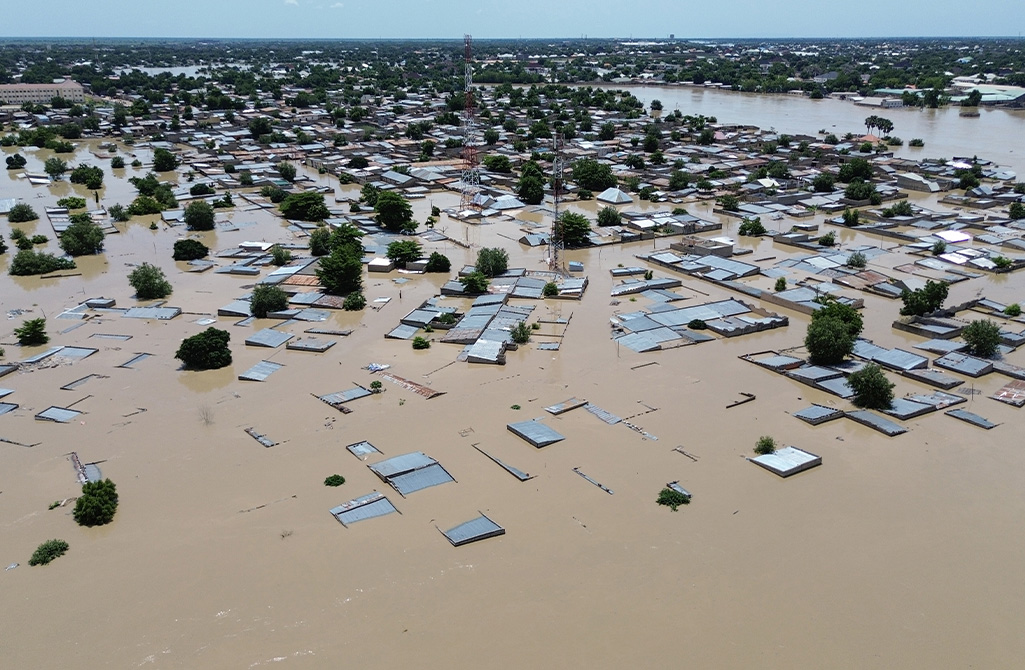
point(520, 333)
point(939, 248)
point(376, 386)
point(1002, 262)
point(320, 242)
point(48, 551)
point(765, 445)
point(421, 343)
point(492, 261)
point(574, 229)
point(1016, 211)
point(82, 237)
point(335, 480)
point(672, 498)
point(32, 333)
point(857, 260)
point(22, 213)
point(831, 334)
point(55, 167)
point(118, 213)
point(1013, 310)
point(872, 390)
point(267, 298)
point(729, 203)
point(149, 282)
point(189, 250)
point(117, 162)
point(354, 302)
point(207, 350)
point(781, 284)
point(97, 504)
point(697, 324)
point(828, 240)
point(71, 202)
point(851, 217)
point(341, 272)
point(859, 191)
point(16, 162)
point(475, 282)
point(307, 206)
point(752, 228)
point(201, 189)
point(280, 256)
point(917, 142)
point(924, 300)
point(550, 290)
point(28, 262)
point(164, 160)
point(592, 175)
point(199, 215)
point(902, 208)
point(609, 216)
point(983, 337)
point(394, 212)
point(402, 252)
point(88, 175)
point(438, 263)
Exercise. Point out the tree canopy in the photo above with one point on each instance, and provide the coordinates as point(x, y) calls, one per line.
point(592, 175)
point(199, 215)
point(267, 298)
point(149, 282)
point(492, 261)
point(574, 229)
point(924, 300)
point(82, 237)
point(401, 252)
point(394, 212)
point(97, 504)
point(872, 390)
point(307, 206)
point(207, 350)
point(164, 160)
point(983, 337)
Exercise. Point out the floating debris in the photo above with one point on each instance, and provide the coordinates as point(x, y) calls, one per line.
point(262, 439)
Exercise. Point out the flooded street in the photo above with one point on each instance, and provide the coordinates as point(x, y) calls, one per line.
point(895, 553)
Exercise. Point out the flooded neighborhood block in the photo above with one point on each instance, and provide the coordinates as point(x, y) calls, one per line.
point(473, 530)
point(536, 433)
point(365, 507)
point(787, 461)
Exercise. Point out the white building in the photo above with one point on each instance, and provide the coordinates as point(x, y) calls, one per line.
point(18, 94)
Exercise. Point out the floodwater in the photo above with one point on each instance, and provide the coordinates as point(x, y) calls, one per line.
point(896, 552)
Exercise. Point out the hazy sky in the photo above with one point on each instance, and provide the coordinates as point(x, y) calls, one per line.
point(510, 18)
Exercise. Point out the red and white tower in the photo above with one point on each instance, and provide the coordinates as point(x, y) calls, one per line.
point(470, 181)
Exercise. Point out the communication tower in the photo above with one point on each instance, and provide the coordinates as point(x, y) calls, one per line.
point(470, 181)
point(556, 243)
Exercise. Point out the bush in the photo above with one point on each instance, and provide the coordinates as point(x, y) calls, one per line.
point(983, 337)
point(1012, 310)
point(27, 262)
point(48, 551)
point(902, 208)
point(401, 252)
point(872, 390)
point(550, 290)
point(672, 498)
point(584, 194)
point(917, 142)
point(320, 242)
point(267, 298)
point(752, 227)
point(859, 190)
point(117, 162)
point(144, 205)
point(88, 175)
point(21, 213)
point(475, 282)
point(354, 302)
point(199, 215)
point(16, 162)
point(39, 239)
point(828, 240)
point(730, 203)
point(924, 300)
point(82, 237)
point(520, 333)
point(492, 262)
point(781, 284)
point(118, 213)
point(857, 260)
point(189, 250)
point(851, 217)
point(32, 333)
point(97, 504)
point(421, 343)
point(609, 216)
point(207, 350)
point(438, 263)
point(765, 445)
point(280, 256)
point(1002, 262)
point(308, 206)
point(341, 271)
point(201, 189)
point(286, 170)
point(71, 203)
point(334, 480)
point(149, 282)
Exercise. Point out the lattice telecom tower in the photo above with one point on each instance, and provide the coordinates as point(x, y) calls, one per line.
point(556, 243)
point(470, 181)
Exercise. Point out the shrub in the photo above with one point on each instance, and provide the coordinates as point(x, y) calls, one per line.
point(118, 213)
point(492, 262)
point(902, 208)
point(672, 498)
point(308, 206)
point(71, 202)
point(421, 343)
point(924, 300)
point(189, 250)
point(207, 350)
point(39, 239)
point(697, 324)
point(280, 256)
point(201, 189)
point(447, 319)
point(1012, 310)
point(730, 203)
point(89, 175)
point(267, 298)
point(199, 215)
point(550, 290)
point(475, 282)
point(781, 284)
point(341, 271)
point(28, 262)
point(438, 263)
point(97, 504)
point(286, 170)
point(335, 480)
point(320, 242)
point(401, 252)
point(859, 190)
point(354, 302)
point(1002, 262)
point(376, 386)
point(48, 551)
point(22, 213)
point(82, 237)
point(765, 445)
point(144, 205)
point(752, 227)
point(16, 162)
point(939, 248)
point(917, 142)
point(983, 337)
point(828, 240)
point(149, 282)
point(857, 260)
point(872, 390)
point(32, 333)
point(520, 333)
point(851, 217)
point(584, 194)
point(117, 162)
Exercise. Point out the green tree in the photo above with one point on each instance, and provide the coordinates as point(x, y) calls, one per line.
point(492, 261)
point(475, 282)
point(286, 170)
point(592, 175)
point(341, 272)
point(22, 213)
point(679, 180)
point(164, 160)
point(766, 444)
point(267, 298)
point(520, 333)
point(28, 262)
point(82, 237)
point(497, 163)
point(48, 551)
point(71, 203)
point(55, 167)
point(16, 162)
point(828, 341)
point(307, 206)
point(207, 350)
point(609, 216)
point(420, 342)
point(859, 190)
point(89, 176)
point(369, 194)
point(856, 168)
point(983, 337)
point(550, 290)
point(872, 390)
point(354, 302)
point(189, 250)
point(531, 190)
point(320, 242)
point(394, 212)
point(924, 300)
point(117, 162)
point(97, 504)
point(607, 131)
point(1016, 211)
point(823, 183)
point(751, 227)
point(260, 126)
point(574, 229)
point(149, 282)
point(199, 215)
point(32, 333)
point(401, 252)
point(672, 498)
point(438, 263)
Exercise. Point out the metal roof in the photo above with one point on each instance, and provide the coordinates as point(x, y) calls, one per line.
point(536, 433)
point(42, 356)
point(402, 332)
point(135, 359)
point(362, 508)
point(77, 352)
point(787, 461)
point(6, 407)
point(398, 465)
point(423, 478)
point(898, 359)
point(362, 449)
point(159, 313)
point(260, 371)
point(966, 365)
point(971, 418)
point(58, 414)
point(268, 337)
point(480, 528)
point(345, 396)
point(310, 344)
point(876, 422)
point(817, 414)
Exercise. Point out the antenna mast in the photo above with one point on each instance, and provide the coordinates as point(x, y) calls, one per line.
point(471, 171)
point(556, 244)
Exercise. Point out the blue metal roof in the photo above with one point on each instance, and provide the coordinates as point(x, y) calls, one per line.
point(58, 414)
point(362, 508)
point(536, 433)
point(398, 465)
point(260, 371)
point(423, 478)
point(480, 528)
point(268, 337)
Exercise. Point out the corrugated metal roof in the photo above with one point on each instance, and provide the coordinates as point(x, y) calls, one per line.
point(310, 344)
point(971, 418)
point(159, 313)
point(77, 352)
point(536, 433)
point(260, 371)
point(41, 356)
point(397, 465)
point(58, 414)
point(268, 337)
point(6, 407)
point(423, 478)
point(345, 396)
point(787, 461)
point(362, 449)
point(480, 528)
point(135, 359)
point(362, 508)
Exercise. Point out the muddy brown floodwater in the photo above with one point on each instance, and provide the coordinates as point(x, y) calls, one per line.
point(896, 553)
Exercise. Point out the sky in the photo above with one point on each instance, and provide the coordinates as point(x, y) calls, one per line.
point(368, 19)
